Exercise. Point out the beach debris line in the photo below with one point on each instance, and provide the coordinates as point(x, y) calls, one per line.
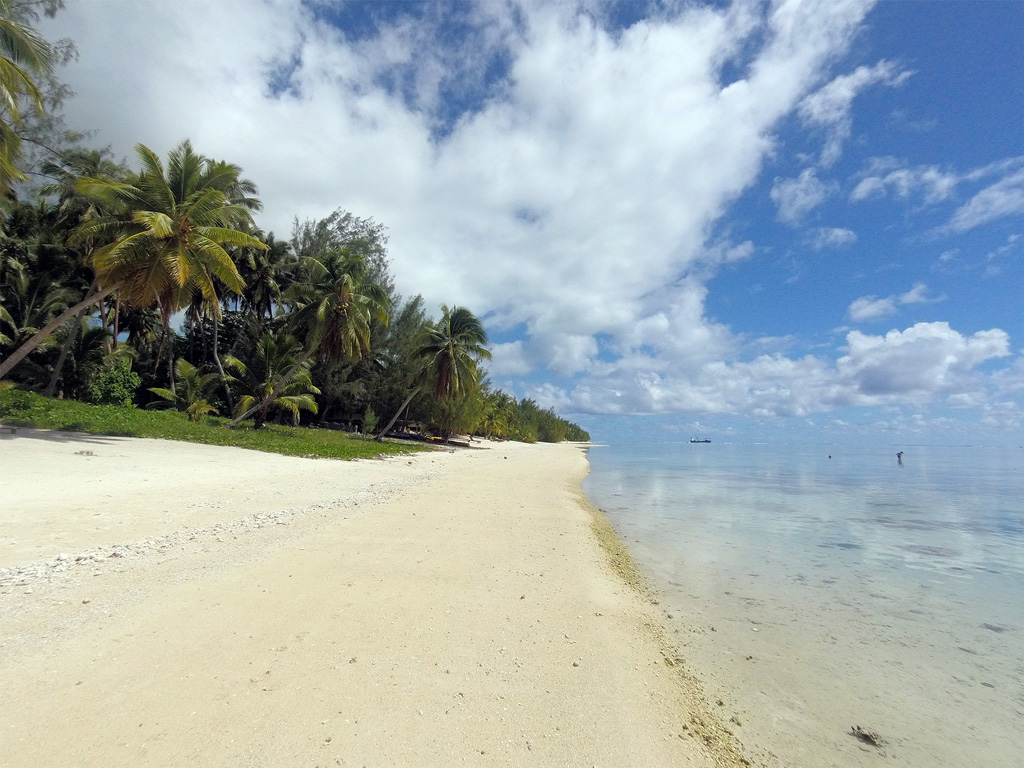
point(868, 736)
point(25, 575)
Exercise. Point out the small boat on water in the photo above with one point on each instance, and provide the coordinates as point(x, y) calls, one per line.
point(700, 440)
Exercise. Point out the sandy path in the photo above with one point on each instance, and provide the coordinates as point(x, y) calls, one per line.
point(464, 614)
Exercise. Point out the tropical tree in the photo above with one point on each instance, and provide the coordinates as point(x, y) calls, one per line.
point(65, 172)
point(23, 55)
point(459, 414)
point(31, 300)
point(344, 231)
point(448, 352)
point(143, 328)
point(165, 235)
point(499, 409)
point(191, 395)
point(263, 272)
point(273, 356)
point(85, 356)
point(334, 304)
point(394, 370)
point(71, 208)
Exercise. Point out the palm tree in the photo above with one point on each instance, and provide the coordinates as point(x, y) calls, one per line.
point(32, 300)
point(449, 352)
point(64, 173)
point(336, 302)
point(264, 272)
point(72, 208)
point(144, 327)
point(165, 237)
point(273, 356)
point(192, 393)
point(335, 305)
point(87, 356)
point(498, 413)
point(22, 54)
point(451, 349)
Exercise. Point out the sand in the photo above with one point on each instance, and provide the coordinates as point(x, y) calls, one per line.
point(165, 603)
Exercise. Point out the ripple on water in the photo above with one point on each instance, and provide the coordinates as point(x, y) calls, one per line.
point(926, 549)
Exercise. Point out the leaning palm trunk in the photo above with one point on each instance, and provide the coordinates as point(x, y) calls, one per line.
point(267, 401)
point(380, 435)
point(44, 333)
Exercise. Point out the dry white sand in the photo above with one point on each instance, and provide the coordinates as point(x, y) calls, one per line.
point(168, 604)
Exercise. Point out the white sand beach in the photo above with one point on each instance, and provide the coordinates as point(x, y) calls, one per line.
point(165, 603)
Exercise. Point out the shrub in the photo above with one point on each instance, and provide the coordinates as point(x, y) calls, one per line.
point(370, 421)
point(115, 384)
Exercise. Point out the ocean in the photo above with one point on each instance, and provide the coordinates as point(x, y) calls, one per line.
point(817, 590)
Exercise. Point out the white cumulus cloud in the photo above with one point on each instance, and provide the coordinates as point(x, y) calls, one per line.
point(924, 360)
point(924, 363)
point(797, 197)
point(872, 308)
point(885, 175)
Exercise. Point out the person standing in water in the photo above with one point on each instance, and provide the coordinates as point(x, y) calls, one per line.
point(899, 458)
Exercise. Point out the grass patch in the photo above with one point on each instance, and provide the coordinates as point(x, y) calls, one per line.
point(26, 409)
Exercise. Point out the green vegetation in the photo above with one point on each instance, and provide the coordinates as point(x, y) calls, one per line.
point(23, 56)
point(154, 287)
point(27, 409)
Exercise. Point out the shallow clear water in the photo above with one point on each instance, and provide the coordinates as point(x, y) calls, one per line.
point(812, 594)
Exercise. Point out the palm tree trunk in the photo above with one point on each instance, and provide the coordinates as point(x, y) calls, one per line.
point(104, 321)
point(159, 353)
point(44, 333)
point(65, 348)
point(170, 359)
point(266, 401)
point(117, 319)
point(380, 435)
point(220, 367)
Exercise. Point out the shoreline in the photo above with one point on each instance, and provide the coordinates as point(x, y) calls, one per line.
point(428, 609)
point(819, 601)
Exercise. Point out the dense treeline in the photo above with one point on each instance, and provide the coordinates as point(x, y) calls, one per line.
point(153, 286)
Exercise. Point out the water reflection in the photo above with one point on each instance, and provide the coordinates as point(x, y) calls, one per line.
point(956, 506)
point(859, 586)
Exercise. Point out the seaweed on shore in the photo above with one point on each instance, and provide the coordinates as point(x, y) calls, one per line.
point(704, 723)
point(867, 736)
point(619, 556)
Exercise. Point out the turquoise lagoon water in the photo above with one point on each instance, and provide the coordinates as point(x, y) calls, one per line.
point(817, 588)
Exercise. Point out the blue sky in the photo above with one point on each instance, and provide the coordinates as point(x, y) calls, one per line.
point(791, 218)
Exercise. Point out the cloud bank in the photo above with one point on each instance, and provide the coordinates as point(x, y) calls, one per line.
point(556, 173)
